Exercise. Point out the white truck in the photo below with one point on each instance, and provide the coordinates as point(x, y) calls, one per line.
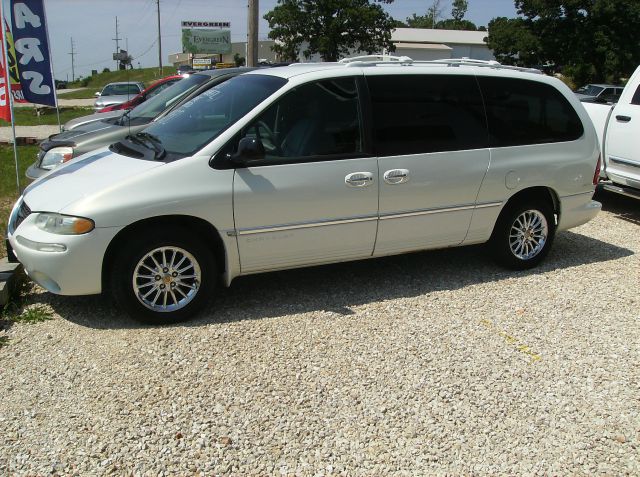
point(618, 129)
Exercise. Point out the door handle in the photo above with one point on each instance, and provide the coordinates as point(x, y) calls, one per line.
point(396, 176)
point(623, 119)
point(358, 179)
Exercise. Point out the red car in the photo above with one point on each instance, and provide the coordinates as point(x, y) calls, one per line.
point(149, 92)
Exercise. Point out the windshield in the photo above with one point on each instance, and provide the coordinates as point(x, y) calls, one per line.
point(200, 120)
point(590, 90)
point(145, 112)
point(117, 89)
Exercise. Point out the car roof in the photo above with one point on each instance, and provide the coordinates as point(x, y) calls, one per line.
point(602, 85)
point(123, 82)
point(368, 64)
point(223, 71)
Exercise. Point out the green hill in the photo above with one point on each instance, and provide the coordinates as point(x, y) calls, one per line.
point(146, 75)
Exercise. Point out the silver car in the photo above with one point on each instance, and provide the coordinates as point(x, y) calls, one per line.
point(117, 93)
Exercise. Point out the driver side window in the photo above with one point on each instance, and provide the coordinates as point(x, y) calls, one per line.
point(311, 121)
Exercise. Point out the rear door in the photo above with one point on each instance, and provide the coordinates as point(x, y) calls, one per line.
point(314, 197)
point(430, 136)
point(622, 151)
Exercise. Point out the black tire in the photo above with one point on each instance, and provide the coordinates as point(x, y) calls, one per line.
point(528, 249)
point(174, 285)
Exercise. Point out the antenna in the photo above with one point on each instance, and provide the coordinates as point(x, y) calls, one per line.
point(72, 53)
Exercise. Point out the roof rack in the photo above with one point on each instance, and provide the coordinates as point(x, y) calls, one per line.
point(482, 63)
point(372, 60)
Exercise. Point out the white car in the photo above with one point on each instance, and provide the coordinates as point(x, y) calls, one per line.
point(311, 164)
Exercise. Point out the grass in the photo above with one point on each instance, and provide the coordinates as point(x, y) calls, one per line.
point(19, 311)
point(8, 191)
point(28, 117)
point(88, 93)
point(95, 82)
point(32, 314)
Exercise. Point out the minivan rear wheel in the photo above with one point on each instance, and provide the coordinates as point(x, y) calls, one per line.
point(163, 277)
point(523, 235)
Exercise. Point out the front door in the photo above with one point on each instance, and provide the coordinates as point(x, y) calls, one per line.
point(313, 198)
point(623, 140)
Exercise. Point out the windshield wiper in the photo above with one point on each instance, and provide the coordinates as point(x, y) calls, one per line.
point(148, 138)
point(124, 116)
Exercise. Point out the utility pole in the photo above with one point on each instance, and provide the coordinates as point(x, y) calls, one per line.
point(252, 33)
point(117, 39)
point(159, 41)
point(73, 53)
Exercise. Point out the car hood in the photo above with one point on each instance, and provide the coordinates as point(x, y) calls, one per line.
point(76, 137)
point(83, 177)
point(74, 123)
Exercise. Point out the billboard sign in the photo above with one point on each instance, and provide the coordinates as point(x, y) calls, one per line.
point(208, 41)
point(194, 24)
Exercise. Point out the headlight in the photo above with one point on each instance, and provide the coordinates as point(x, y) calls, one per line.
point(64, 224)
point(56, 156)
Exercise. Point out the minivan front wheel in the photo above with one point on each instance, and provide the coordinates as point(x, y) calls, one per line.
point(163, 279)
point(523, 235)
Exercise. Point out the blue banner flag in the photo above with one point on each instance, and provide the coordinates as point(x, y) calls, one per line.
point(32, 50)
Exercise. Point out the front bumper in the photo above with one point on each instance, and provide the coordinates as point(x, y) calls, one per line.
point(75, 271)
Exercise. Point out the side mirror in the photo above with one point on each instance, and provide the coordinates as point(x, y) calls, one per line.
point(250, 149)
point(97, 94)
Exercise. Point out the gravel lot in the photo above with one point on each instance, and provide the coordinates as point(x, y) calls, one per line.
point(424, 364)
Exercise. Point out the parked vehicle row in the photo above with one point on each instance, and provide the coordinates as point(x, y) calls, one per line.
point(310, 164)
point(153, 89)
point(87, 133)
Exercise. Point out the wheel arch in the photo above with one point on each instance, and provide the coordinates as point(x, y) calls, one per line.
point(200, 227)
point(536, 193)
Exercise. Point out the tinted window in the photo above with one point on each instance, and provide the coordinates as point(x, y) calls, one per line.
point(636, 97)
point(116, 89)
point(316, 119)
point(416, 114)
point(527, 112)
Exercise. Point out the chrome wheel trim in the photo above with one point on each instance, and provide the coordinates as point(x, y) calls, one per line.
point(528, 234)
point(166, 279)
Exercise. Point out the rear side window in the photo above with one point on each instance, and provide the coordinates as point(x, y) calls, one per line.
point(524, 112)
point(414, 114)
point(636, 97)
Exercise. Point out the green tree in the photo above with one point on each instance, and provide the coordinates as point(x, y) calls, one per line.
point(595, 40)
point(434, 12)
point(459, 9)
point(420, 21)
point(513, 41)
point(331, 28)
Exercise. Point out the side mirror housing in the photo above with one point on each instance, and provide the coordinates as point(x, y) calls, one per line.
point(97, 93)
point(250, 150)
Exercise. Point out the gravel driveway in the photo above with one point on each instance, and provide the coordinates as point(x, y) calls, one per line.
point(423, 364)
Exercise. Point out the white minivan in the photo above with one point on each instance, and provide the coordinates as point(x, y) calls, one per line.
point(310, 164)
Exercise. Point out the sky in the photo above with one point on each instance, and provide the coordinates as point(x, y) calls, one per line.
point(91, 24)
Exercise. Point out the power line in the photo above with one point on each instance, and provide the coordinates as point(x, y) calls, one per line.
point(159, 40)
point(117, 44)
